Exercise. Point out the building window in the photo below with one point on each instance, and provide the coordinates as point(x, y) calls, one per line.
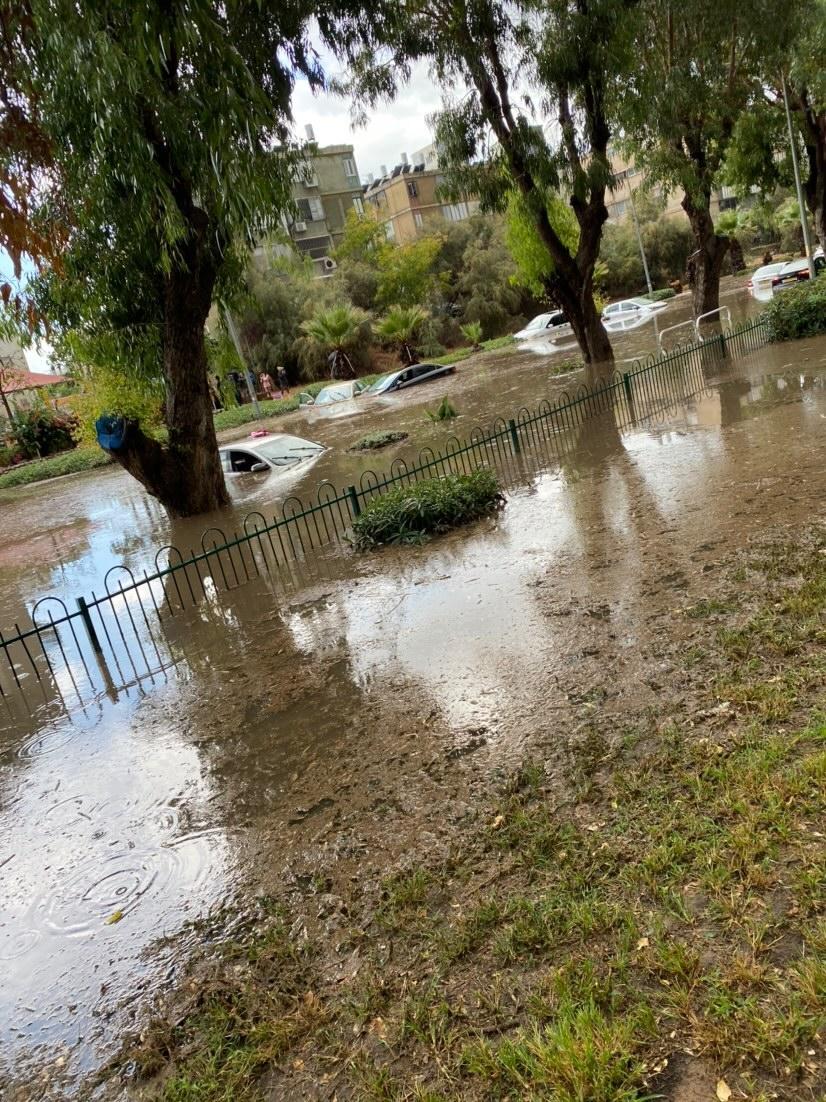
point(412, 190)
point(417, 218)
point(390, 230)
point(728, 202)
point(358, 203)
point(455, 212)
point(349, 166)
point(304, 214)
point(617, 210)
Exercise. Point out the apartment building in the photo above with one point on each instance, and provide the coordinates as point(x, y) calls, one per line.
point(326, 189)
point(628, 179)
point(406, 200)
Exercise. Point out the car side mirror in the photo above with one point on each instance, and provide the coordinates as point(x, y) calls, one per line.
point(256, 467)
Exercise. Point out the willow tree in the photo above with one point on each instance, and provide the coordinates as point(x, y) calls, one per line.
point(701, 66)
point(167, 129)
point(573, 56)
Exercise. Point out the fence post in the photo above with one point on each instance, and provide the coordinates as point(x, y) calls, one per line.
point(355, 504)
point(626, 382)
point(514, 436)
point(83, 609)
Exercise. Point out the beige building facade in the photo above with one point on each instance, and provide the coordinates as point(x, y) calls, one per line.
point(406, 200)
point(326, 189)
point(628, 179)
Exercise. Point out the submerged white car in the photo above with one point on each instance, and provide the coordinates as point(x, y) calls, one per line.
point(273, 452)
point(760, 284)
point(335, 392)
point(543, 327)
point(631, 308)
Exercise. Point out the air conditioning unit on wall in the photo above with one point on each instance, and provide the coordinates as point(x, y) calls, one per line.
point(329, 264)
point(299, 227)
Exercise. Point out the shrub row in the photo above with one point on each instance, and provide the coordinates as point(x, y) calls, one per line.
point(798, 312)
point(410, 513)
point(80, 459)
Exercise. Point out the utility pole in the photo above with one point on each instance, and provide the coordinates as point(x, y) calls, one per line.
point(233, 332)
point(639, 240)
point(804, 219)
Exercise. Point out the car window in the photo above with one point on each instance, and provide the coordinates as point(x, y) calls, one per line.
point(240, 461)
point(539, 322)
point(615, 309)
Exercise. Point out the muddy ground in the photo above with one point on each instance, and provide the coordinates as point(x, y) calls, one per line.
point(529, 811)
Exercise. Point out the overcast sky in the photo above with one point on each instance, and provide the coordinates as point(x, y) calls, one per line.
point(393, 129)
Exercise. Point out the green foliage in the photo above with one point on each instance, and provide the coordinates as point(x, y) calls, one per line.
point(482, 278)
point(336, 330)
point(661, 294)
point(407, 273)
point(41, 431)
point(488, 346)
point(445, 411)
point(798, 312)
point(375, 440)
point(472, 332)
point(533, 261)
point(70, 462)
point(111, 378)
point(434, 505)
point(668, 242)
point(399, 327)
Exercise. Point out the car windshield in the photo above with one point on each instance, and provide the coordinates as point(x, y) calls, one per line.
point(640, 301)
point(281, 451)
point(382, 384)
point(338, 393)
point(539, 322)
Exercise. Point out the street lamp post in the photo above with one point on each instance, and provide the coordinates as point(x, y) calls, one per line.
point(804, 221)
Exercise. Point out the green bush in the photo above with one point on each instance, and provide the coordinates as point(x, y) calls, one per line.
point(42, 431)
point(445, 411)
point(374, 440)
point(798, 312)
point(660, 294)
point(410, 513)
point(80, 459)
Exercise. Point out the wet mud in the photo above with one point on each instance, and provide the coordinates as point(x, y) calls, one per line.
point(354, 727)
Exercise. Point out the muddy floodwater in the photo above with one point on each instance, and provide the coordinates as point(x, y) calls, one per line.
point(325, 725)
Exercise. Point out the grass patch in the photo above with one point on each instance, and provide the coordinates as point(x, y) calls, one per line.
point(457, 354)
point(409, 513)
point(567, 365)
point(660, 294)
point(71, 462)
point(375, 440)
point(797, 312)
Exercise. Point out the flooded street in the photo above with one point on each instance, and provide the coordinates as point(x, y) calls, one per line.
point(357, 719)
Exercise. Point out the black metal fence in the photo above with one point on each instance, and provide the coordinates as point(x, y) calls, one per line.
point(111, 639)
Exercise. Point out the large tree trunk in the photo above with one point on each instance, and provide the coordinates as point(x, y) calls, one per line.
point(185, 475)
point(711, 252)
point(586, 322)
point(814, 136)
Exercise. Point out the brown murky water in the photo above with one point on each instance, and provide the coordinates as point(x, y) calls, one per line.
point(309, 724)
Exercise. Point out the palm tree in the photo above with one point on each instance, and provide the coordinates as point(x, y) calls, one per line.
point(473, 332)
point(399, 326)
point(336, 330)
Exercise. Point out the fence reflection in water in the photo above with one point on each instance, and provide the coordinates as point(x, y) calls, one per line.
point(113, 640)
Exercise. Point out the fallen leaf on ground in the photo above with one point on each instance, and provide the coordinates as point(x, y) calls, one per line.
point(113, 918)
point(643, 943)
point(723, 1090)
point(497, 822)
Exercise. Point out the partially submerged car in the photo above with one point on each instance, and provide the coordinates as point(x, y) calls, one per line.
point(273, 452)
point(631, 308)
point(335, 392)
point(409, 376)
point(760, 284)
point(543, 327)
